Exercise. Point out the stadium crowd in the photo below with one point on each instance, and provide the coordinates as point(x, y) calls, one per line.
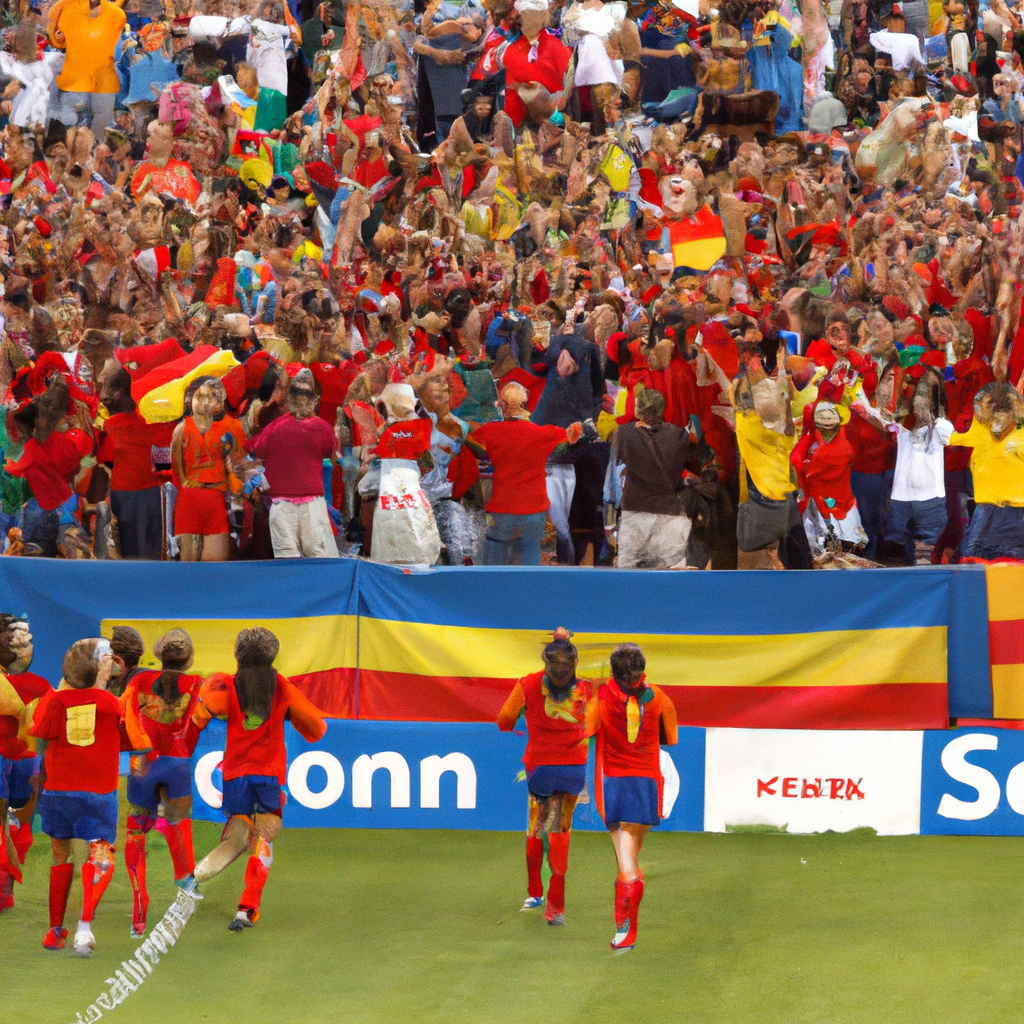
point(698, 284)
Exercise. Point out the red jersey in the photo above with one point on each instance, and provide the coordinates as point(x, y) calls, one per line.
point(203, 454)
point(83, 740)
point(30, 688)
point(556, 730)
point(544, 62)
point(629, 731)
point(258, 751)
point(167, 724)
point(133, 446)
point(823, 471)
point(519, 452)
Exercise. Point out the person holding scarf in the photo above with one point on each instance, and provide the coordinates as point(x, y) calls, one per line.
point(633, 719)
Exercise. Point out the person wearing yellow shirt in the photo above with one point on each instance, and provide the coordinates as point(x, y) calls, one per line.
point(87, 31)
point(996, 529)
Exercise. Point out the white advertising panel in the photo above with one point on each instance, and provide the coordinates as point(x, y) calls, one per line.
point(813, 781)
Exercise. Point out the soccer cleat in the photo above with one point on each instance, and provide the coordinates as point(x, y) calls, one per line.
point(243, 919)
point(189, 886)
point(85, 941)
point(555, 919)
point(56, 938)
point(532, 903)
point(138, 931)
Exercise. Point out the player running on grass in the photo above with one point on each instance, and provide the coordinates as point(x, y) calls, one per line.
point(256, 700)
point(159, 706)
point(634, 719)
point(78, 732)
point(555, 704)
point(16, 746)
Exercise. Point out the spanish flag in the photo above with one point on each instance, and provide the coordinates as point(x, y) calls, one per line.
point(697, 242)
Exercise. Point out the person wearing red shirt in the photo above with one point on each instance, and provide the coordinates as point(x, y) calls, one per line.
point(632, 721)
point(79, 736)
point(132, 448)
point(16, 747)
point(555, 704)
point(293, 449)
point(158, 708)
point(255, 701)
point(518, 451)
point(535, 64)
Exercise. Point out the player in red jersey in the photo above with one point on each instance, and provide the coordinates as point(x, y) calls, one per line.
point(555, 703)
point(17, 747)
point(159, 706)
point(78, 732)
point(633, 721)
point(255, 701)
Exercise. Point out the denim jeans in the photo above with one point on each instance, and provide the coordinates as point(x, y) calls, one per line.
point(504, 530)
point(916, 521)
point(995, 531)
point(89, 109)
point(872, 491)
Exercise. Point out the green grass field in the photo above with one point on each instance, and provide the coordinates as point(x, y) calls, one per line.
point(372, 927)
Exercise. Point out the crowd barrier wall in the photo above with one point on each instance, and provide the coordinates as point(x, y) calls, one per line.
point(868, 649)
point(468, 775)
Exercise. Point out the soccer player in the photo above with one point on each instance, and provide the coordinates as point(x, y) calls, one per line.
point(159, 706)
point(255, 701)
point(77, 730)
point(633, 720)
point(555, 704)
point(16, 746)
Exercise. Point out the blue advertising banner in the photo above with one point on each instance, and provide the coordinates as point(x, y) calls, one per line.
point(366, 774)
point(972, 782)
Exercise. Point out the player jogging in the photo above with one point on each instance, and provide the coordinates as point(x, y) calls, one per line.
point(555, 704)
point(633, 720)
point(159, 705)
point(255, 701)
point(78, 732)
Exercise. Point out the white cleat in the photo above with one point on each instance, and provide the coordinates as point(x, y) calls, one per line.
point(85, 941)
point(532, 903)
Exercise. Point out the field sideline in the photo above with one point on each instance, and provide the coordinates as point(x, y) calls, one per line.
point(371, 927)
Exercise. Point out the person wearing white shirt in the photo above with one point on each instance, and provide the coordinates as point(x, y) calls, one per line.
point(916, 515)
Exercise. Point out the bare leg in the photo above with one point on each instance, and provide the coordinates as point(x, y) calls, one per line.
point(214, 548)
point(627, 840)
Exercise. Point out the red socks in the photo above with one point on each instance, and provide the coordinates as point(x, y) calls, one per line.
point(135, 862)
point(21, 836)
point(95, 880)
point(179, 842)
point(60, 885)
point(627, 905)
point(256, 871)
point(534, 860)
point(558, 858)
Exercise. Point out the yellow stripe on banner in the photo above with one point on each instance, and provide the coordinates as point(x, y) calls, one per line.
point(1008, 691)
point(915, 654)
point(312, 644)
point(1005, 585)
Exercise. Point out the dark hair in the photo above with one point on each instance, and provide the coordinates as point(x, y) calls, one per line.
point(627, 662)
point(560, 650)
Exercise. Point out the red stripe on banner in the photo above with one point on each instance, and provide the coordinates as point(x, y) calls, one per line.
point(405, 697)
point(881, 706)
point(989, 723)
point(1006, 642)
point(332, 691)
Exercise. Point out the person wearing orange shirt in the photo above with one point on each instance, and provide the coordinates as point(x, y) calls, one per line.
point(255, 701)
point(555, 704)
point(87, 31)
point(633, 720)
point(202, 448)
point(78, 732)
point(159, 706)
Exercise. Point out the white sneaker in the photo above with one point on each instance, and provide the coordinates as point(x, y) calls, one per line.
point(85, 941)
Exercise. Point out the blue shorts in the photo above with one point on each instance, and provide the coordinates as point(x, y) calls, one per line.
point(630, 798)
point(5, 772)
point(19, 772)
point(88, 816)
point(546, 779)
point(171, 774)
point(251, 795)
